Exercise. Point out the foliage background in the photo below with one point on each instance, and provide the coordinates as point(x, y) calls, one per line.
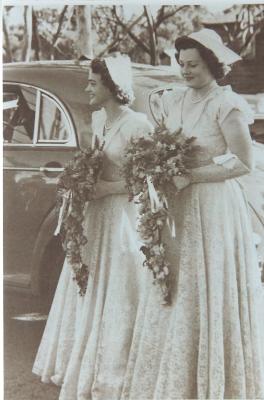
point(145, 32)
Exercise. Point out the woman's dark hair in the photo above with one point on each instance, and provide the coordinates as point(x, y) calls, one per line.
point(216, 68)
point(98, 66)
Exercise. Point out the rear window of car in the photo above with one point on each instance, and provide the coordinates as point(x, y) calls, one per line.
point(32, 116)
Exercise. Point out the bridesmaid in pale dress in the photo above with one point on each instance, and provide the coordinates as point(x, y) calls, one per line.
point(87, 341)
point(209, 344)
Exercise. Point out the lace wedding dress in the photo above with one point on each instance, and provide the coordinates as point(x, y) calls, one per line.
point(88, 340)
point(209, 344)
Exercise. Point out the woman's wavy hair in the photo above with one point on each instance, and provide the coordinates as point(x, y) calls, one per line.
point(98, 66)
point(216, 68)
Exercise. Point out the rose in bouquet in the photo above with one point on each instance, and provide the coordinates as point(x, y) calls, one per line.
point(75, 187)
point(150, 164)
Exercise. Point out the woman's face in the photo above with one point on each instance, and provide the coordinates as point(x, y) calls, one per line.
point(98, 93)
point(194, 69)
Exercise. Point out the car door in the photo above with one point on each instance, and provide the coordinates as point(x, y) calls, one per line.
point(39, 137)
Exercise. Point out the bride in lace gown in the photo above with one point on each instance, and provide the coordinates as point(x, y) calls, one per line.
point(87, 340)
point(209, 344)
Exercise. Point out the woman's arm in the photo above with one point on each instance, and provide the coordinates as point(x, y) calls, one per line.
point(217, 173)
point(237, 136)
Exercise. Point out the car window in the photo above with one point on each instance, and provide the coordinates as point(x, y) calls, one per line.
point(53, 125)
point(34, 117)
point(19, 115)
point(155, 104)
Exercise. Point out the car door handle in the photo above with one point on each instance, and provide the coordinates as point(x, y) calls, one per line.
point(36, 169)
point(51, 169)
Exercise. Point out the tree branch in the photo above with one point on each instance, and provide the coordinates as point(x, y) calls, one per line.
point(35, 39)
point(61, 17)
point(106, 19)
point(152, 41)
point(252, 36)
point(7, 42)
point(130, 33)
point(118, 39)
point(162, 17)
point(24, 49)
point(160, 13)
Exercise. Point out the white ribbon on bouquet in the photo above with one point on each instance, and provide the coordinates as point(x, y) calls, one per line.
point(156, 204)
point(64, 209)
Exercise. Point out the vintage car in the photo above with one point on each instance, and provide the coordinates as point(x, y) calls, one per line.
point(46, 118)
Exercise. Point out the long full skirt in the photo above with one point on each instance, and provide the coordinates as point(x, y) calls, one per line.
point(88, 340)
point(209, 344)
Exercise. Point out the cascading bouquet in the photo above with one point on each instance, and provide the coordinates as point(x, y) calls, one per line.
point(150, 164)
point(75, 187)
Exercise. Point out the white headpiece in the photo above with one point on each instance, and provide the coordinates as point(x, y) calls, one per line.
point(210, 39)
point(119, 67)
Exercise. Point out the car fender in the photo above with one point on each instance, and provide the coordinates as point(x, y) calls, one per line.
point(45, 235)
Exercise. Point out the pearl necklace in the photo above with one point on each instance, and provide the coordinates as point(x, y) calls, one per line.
point(194, 101)
point(108, 128)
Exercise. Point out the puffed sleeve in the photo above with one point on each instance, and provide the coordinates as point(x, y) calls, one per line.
point(233, 101)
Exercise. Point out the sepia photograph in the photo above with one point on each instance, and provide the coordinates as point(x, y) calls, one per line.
point(133, 200)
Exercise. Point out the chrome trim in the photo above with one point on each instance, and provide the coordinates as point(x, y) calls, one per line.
point(56, 145)
point(46, 141)
point(51, 169)
point(37, 169)
point(36, 124)
point(157, 90)
point(71, 136)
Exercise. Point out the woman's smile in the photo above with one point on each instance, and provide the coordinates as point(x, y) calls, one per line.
point(188, 78)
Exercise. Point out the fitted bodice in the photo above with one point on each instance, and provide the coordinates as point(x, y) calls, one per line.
point(131, 124)
point(204, 120)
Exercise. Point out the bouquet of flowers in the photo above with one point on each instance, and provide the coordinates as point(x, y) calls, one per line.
point(76, 186)
point(150, 164)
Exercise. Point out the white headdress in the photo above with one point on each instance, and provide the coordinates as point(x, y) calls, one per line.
point(119, 67)
point(210, 39)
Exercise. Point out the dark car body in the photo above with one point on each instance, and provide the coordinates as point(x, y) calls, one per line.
point(46, 119)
